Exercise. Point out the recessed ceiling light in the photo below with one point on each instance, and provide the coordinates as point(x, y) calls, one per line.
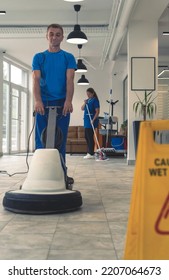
point(2, 12)
point(73, 0)
point(164, 74)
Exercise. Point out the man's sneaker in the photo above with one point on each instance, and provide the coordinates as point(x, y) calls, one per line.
point(88, 156)
point(70, 180)
point(69, 183)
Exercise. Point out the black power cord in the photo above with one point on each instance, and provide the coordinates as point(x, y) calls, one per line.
point(27, 154)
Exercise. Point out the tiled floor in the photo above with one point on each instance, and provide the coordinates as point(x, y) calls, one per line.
point(94, 232)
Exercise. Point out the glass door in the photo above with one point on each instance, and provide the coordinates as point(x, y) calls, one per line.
point(15, 119)
point(6, 117)
point(19, 111)
point(23, 118)
point(15, 108)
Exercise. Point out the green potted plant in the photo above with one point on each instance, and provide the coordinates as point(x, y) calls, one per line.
point(123, 128)
point(147, 106)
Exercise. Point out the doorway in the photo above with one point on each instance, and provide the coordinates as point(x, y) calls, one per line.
point(15, 119)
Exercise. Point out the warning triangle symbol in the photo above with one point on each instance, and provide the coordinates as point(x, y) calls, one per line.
point(162, 223)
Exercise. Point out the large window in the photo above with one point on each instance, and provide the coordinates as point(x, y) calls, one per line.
point(163, 101)
point(18, 76)
point(15, 108)
point(6, 71)
point(5, 139)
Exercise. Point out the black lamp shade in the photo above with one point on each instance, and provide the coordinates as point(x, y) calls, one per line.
point(77, 36)
point(81, 68)
point(83, 81)
point(73, 0)
point(166, 33)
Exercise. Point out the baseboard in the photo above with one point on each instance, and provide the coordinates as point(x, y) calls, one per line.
point(131, 161)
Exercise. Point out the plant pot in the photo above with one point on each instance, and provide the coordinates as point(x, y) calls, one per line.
point(136, 128)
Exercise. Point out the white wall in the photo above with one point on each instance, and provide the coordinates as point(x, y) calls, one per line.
point(142, 42)
point(118, 75)
point(1, 101)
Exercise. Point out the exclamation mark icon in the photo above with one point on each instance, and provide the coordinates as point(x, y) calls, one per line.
point(162, 223)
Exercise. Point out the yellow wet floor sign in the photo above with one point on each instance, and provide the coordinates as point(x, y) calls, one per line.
point(148, 226)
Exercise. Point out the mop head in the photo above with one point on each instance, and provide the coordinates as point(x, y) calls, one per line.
point(100, 155)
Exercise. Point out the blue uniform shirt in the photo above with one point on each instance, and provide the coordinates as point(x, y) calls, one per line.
point(53, 67)
point(93, 104)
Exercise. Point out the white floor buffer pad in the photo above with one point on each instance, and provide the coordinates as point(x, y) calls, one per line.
point(44, 189)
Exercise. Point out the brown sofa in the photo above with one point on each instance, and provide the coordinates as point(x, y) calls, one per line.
point(76, 142)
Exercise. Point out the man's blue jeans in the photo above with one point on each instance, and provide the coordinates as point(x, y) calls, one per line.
point(62, 122)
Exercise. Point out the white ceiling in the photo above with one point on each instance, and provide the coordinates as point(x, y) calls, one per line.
point(23, 28)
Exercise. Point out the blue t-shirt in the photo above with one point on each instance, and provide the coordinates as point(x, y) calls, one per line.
point(93, 104)
point(53, 67)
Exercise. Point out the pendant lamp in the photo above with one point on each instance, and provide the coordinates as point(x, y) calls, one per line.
point(77, 36)
point(81, 67)
point(2, 13)
point(83, 81)
point(73, 0)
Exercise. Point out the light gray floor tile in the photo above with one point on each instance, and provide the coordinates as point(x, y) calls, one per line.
point(23, 254)
point(79, 228)
point(82, 255)
point(29, 227)
point(85, 217)
point(82, 241)
point(25, 241)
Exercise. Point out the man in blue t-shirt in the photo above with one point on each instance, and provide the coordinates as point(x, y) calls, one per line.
point(53, 85)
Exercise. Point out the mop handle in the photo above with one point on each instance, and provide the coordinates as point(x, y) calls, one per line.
point(93, 127)
point(107, 134)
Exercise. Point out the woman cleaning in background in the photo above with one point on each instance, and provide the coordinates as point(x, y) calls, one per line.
point(94, 108)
